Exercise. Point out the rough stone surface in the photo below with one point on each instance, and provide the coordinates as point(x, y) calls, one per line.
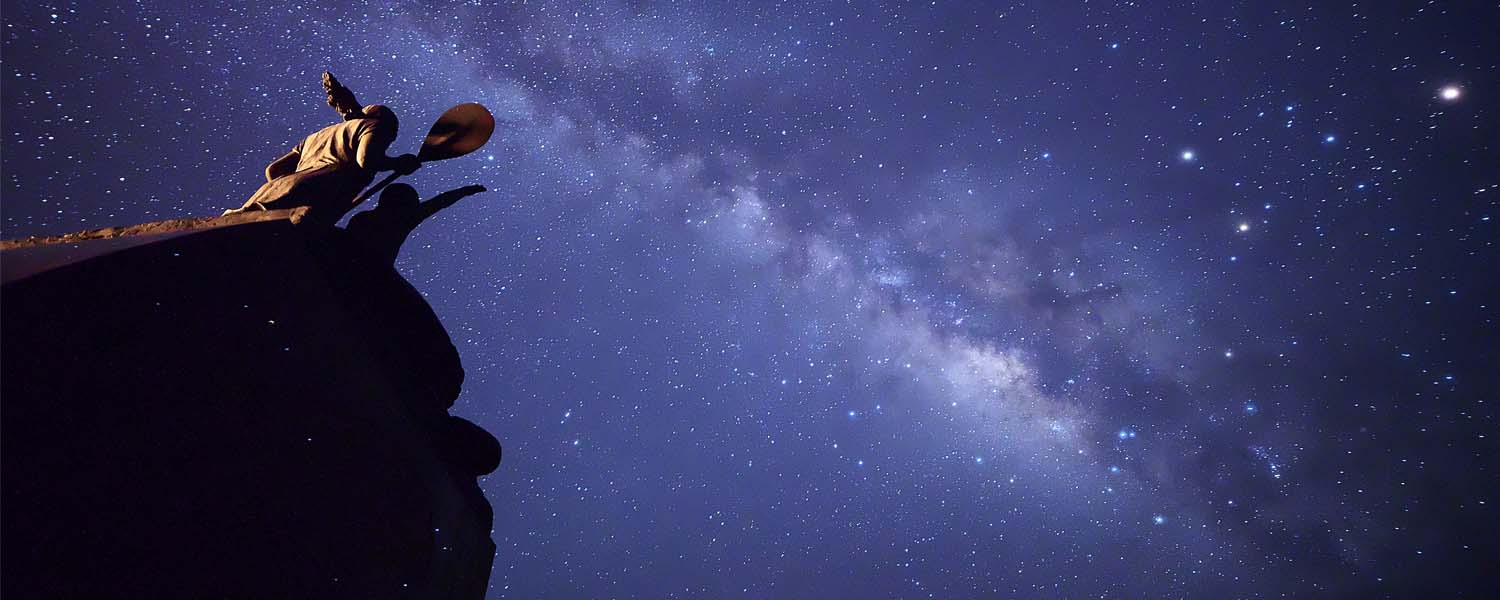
point(242, 408)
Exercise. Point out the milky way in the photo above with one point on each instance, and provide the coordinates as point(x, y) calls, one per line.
point(940, 300)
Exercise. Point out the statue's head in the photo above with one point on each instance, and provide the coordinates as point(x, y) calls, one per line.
point(399, 197)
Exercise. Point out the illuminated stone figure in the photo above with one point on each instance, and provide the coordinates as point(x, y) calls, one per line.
point(327, 171)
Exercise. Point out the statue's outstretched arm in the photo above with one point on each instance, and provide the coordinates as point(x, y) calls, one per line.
point(371, 153)
point(286, 165)
point(340, 98)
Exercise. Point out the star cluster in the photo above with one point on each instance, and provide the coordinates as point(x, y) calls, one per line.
point(1099, 299)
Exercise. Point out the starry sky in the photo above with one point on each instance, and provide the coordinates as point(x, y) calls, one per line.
point(909, 300)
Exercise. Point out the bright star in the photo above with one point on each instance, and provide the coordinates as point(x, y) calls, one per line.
point(1243, 227)
point(1158, 519)
point(1450, 92)
point(1188, 155)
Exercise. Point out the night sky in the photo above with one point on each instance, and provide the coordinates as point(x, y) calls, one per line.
point(928, 300)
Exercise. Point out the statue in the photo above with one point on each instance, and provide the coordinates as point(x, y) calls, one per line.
point(383, 229)
point(327, 171)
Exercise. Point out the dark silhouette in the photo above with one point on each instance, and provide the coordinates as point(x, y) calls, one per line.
point(245, 405)
point(232, 408)
point(383, 229)
point(327, 170)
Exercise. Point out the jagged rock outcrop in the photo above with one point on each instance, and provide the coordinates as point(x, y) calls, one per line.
point(241, 407)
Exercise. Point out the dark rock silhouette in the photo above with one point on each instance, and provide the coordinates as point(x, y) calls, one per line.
point(241, 407)
point(384, 229)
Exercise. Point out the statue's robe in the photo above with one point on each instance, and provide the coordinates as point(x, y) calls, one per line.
point(328, 175)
